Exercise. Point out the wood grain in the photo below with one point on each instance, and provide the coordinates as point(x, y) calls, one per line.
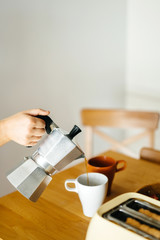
point(58, 214)
point(120, 118)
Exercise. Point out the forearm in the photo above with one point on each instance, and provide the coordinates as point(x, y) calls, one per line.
point(3, 132)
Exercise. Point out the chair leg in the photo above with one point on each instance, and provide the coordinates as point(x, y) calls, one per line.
point(151, 139)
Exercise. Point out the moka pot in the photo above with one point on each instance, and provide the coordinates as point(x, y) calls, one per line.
point(55, 152)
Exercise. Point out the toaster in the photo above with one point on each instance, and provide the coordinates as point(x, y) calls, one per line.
point(130, 216)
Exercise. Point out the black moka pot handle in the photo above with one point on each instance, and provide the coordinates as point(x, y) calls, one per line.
point(48, 122)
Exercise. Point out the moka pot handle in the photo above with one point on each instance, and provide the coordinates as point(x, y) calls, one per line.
point(50, 125)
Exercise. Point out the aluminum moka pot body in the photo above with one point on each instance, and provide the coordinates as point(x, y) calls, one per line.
point(55, 152)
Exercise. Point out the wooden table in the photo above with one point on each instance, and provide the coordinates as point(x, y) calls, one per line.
point(57, 214)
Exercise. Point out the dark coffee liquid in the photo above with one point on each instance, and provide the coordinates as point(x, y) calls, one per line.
point(99, 163)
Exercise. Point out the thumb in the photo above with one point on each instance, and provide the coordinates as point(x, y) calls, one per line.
point(37, 111)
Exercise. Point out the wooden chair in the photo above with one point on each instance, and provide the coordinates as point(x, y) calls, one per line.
point(92, 119)
point(150, 154)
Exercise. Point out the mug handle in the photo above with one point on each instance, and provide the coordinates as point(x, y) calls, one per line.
point(74, 189)
point(121, 168)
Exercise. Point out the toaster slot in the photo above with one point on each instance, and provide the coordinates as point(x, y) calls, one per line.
point(133, 222)
point(143, 209)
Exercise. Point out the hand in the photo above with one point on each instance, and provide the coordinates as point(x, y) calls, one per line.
point(24, 128)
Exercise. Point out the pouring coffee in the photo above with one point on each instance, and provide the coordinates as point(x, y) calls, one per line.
point(55, 152)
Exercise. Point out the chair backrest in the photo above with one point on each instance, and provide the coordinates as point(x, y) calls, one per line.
point(150, 154)
point(116, 118)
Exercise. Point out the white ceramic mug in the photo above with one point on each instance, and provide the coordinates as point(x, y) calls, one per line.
point(92, 195)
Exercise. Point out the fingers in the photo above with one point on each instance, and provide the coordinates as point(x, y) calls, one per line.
point(37, 123)
point(31, 143)
point(33, 140)
point(38, 132)
point(36, 129)
point(37, 111)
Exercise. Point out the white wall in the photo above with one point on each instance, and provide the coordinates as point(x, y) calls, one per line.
point(62, 56)
point(143, 48)
point(143, 57)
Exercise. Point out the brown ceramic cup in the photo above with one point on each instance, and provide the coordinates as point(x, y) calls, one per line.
point(107, 166)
